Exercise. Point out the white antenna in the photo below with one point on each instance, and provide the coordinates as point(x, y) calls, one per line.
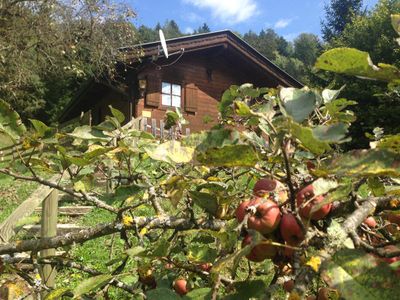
point(163, 43)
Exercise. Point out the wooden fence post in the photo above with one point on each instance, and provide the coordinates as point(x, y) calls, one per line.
point(49, 229)
point(154, 127)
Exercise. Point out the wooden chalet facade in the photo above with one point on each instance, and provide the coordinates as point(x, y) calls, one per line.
point(193, 79)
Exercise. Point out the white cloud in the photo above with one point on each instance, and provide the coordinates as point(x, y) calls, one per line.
point(192, 17)
point(282, 23)
point(188, 30)
point(291, 36)
point(228, 11)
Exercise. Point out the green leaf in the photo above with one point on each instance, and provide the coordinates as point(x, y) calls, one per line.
point(206, 201)
point(396, 23)
point(56, 294)
point(171, 152)
point(360, 276)
point(323, 186)
point(242, 109)
point(391, 143)
point(135, 251)
point(331, 95)
point(376, 186)
point(117, 114)
point(171, 119)
point(354, 62)
point(306, 137)
point(202, 253)
point(229, 156)
point(202, 293)
point(331, 133)
point(88, 133)
point(91, 284)
point(40, 127)
point(298, 103)
point(162, 294)
point(363, 163)
point(11, 126)
point(249, 289)
point(227, 100)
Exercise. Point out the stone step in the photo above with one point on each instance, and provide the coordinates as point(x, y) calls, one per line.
point(71, 210)
point(62, 229)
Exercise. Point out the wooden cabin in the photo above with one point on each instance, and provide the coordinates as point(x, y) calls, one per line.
point(199, 69)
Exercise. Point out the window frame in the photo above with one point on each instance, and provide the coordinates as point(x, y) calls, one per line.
point(171, 83)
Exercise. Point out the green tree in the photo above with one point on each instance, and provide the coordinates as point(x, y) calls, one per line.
point(57, 39)
point(338, 13)
point(307, 48)
point(171, 29)
point(373, 33)
point(203, 28)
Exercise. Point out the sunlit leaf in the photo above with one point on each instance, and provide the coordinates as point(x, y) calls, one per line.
point(391, 143)
point(206, 201)
point(361, 276)
point(202, 293)
point(117, 114)
point(135, 251)
point(330, 95)
point(249, 289)
point(298, 103)
point(162, 294)
point(40, 127)
point(88, 133)
point(11, 126)
point(229, 156)
point(308, 140)
point(172, 152)
point(331, 133)
point(56, 294)
point(322, 186)
point(91, 284)
point(364, 163)
point(396, 23)
point(354, 62)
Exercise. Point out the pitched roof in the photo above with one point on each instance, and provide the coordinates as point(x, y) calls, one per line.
point(201, 41)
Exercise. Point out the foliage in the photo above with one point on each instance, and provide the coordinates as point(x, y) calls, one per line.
point(373, 33)
point(338, 14)
point(180, 209)
point(50, 47)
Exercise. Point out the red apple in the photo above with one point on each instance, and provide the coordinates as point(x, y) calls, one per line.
point(391, 248)
point(205, 267)
point(267, 216)
point(259, 252)
point(326, 293)
point(288, 252)
point(291, 230)
point(241, 211)
point(304, 196)
point(370, 222)
point(265, 188)
point(288, 285)
point(393, 218)
point(180, 286)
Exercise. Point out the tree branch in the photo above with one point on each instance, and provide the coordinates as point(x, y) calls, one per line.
point(107, 229)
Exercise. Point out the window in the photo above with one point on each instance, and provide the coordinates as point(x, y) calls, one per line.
point(171, 94)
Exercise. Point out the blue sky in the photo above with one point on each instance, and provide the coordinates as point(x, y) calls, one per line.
point(289, 18)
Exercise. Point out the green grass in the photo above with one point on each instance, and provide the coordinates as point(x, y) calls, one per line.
point(13, 193)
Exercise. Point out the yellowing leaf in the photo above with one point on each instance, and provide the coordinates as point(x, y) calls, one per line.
point(143, 231)
point(314, 263)
point(127, 220)
point(172, 152)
